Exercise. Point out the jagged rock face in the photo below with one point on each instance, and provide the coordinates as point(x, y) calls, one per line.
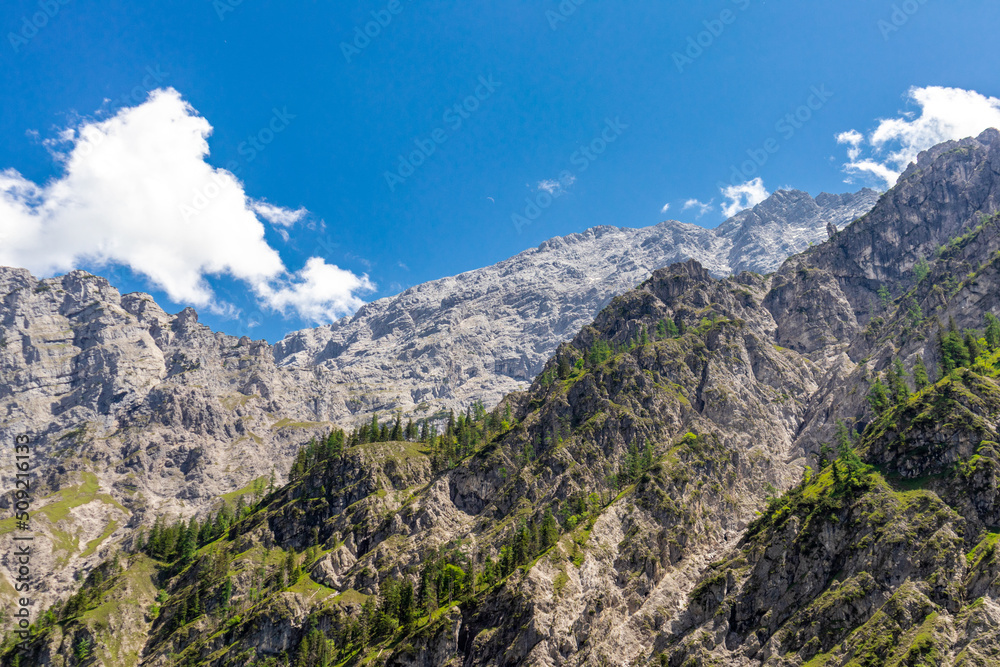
point(732, 407)
point(947, 191)
point(899, 570)
point(786, 223)
point(132, 413)
point(719, 405)
point(485, 333)
point(154, 414)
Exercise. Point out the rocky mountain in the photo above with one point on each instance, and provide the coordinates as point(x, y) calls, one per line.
point(793, 469)
point(485, 333)
point(134, 413)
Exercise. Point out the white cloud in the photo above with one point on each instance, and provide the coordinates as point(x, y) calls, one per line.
point(853, 139)
point(276, 215)
point(320, 292)
point(744, 196)
point(666, 207)
point(556, 187)
point(127, 196)
point(700, 206)
point(944, 114)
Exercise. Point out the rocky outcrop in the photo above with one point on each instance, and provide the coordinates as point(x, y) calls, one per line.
point(627, 506)
point(134, 413)
point(485, 333)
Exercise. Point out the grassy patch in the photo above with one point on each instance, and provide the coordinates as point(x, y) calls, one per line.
point(96, 542)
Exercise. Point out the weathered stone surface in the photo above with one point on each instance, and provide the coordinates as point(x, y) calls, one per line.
point(164, 415)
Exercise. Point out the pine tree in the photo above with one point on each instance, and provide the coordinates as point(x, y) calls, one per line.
point(397, 428)
point(897, 383)
point(954, 353)
point(227, 592)
point(82, 650)
point(661, 329)
point(298, 469)
point(647, 457)
point(368, 617)
point(878, 398)
point(550, 530)
point(241, 508)
point(182, 613)
point(921, 379)
point(884, 296)
point(154, 545)
point(302, 654)
point(406, 603)
point(644, 336)
point(186, 544)
point(972, 344)
point(993, 332)
point(290, 568)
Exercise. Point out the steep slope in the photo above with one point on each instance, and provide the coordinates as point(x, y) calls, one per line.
point(892, 565)
point(131, 414)
point(485, 333)
point(607, 515)
point(134, 413)
point(609, 484)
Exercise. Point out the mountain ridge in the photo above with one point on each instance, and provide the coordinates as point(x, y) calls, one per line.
point(609, 513)
point(164, 415)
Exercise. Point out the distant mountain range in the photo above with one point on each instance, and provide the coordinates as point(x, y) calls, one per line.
point(796, 469)
point(482, 334)
point(137, 413)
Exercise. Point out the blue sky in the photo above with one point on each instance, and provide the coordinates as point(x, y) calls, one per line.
point(315, 129)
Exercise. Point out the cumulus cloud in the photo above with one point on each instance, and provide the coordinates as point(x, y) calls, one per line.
point(853, 139)
point(320, 292)
point(276, 215)
point(136, 191)
point(743, 196)
point(700, 206)
point(666, 207)
point(942, 114)
point(556, 187)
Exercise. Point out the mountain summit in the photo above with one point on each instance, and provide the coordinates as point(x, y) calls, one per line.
point(792, 469)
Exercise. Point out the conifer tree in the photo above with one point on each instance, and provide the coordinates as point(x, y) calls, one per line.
point(186, 542)
point(921, 379)
point(397, 428)
point(972, 344)
point(550, 530)
point(227, 592)
point(954, 353)
point(897, 383)
point(993, 332)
